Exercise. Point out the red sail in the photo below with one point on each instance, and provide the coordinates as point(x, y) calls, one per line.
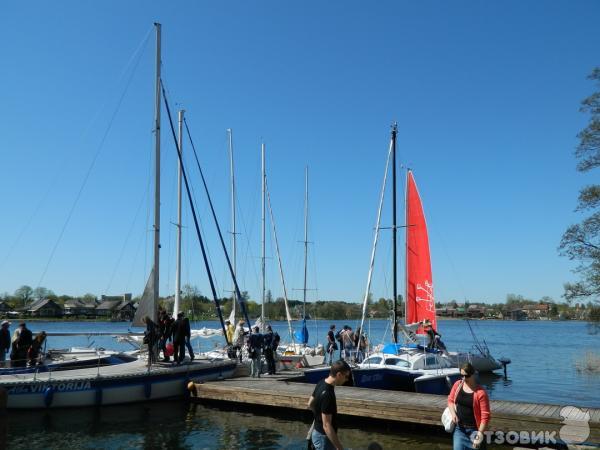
point(420, 303)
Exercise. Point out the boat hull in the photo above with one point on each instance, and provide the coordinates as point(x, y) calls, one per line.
point(392, 379)
point(125, 383)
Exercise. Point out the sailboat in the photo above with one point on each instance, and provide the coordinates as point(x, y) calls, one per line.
point(134, 381)
point(420, 300)
point(391, 369)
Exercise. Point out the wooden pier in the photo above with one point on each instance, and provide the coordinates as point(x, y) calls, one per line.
point(393, 406)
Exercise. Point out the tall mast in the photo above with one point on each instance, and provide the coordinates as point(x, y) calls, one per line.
point(233, 237)
point(179, 182)
point(262, 308)
point(157, 174)
point(394, 232)
point(305, 238)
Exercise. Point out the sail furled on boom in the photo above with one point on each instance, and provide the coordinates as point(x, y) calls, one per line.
point(420, 302)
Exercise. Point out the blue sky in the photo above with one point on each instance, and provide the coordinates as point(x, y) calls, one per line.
point(486, 96)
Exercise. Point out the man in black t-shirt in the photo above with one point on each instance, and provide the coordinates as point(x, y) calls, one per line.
point(323, 404)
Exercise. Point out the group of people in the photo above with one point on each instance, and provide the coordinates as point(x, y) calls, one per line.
point(22, 348)
point(352, 345)
point(468, 403)
point(256, 344)
point(168, 331)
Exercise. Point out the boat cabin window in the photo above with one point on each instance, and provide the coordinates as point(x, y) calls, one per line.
point(431, 361)
point(373, 360)
point(396, 362)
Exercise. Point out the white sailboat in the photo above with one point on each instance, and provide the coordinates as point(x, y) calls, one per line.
point(128, 382)
point(420, 302)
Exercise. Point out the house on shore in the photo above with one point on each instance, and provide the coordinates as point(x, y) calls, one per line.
point(4, 309)
point(44, 308)
point(536, 312)
point(116, 307)
point(80, 308)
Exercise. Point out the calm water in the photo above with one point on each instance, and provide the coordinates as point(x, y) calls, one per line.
point(180, 425)
point(543, 353)
point(543, 358)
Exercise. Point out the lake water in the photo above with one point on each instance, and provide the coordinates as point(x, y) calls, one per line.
point(543, 370)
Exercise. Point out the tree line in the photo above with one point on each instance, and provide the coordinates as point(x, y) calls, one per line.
point(200, 307)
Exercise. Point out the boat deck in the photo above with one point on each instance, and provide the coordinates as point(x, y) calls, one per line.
point(392, 406)
point(128, 369)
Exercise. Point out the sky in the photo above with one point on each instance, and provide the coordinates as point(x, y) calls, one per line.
point(486, 96)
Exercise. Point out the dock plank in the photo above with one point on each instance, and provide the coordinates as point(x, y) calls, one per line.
point(389, 406)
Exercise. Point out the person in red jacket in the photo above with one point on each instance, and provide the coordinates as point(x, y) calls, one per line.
point(470, 407)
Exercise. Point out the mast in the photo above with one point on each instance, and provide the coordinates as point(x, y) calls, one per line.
point(179, 182)
point(233, 237)
point(305, 238)
point(394, 233)
point(262, 307)
point(157, 174)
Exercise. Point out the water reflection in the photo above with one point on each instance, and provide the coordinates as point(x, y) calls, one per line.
point(493, 381)
point(180, 425)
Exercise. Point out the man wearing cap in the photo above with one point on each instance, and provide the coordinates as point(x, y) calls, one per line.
point(4, 342)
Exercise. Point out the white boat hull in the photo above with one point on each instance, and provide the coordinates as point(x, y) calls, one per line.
point(111, 385)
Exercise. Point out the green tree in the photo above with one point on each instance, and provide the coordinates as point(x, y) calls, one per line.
point(581, 242)
point(24, 294)
point(42, 292)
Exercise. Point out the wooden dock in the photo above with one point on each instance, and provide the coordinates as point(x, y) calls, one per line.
point(394, 406)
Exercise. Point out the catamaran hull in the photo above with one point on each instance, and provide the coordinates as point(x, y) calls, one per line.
point(481, 363)
point(393, 379)
point(110, 388)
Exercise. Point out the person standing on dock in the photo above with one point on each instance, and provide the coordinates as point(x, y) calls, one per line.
point(151, 339)
point(470, 408)
point(331, 344)
point(255, 344)
point(238, 338)
point(21, 346)
point(324, 407)
point(187, 331)
point(230, 330)
point(270, 343)
point(178, 332)
point(4, 342)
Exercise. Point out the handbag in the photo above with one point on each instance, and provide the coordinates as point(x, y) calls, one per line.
point(447, 416)
point(447, 420)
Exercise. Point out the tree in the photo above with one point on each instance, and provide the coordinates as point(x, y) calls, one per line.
point(581, 242)
point(42, 292)
point(24, 294)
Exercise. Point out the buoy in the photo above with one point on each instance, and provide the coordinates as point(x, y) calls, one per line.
point(191, 386)
point(48, 396)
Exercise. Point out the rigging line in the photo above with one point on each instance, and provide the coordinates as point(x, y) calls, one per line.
point(237, 289)
point(89, 172)
point(187, 188)
point(59, 173)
